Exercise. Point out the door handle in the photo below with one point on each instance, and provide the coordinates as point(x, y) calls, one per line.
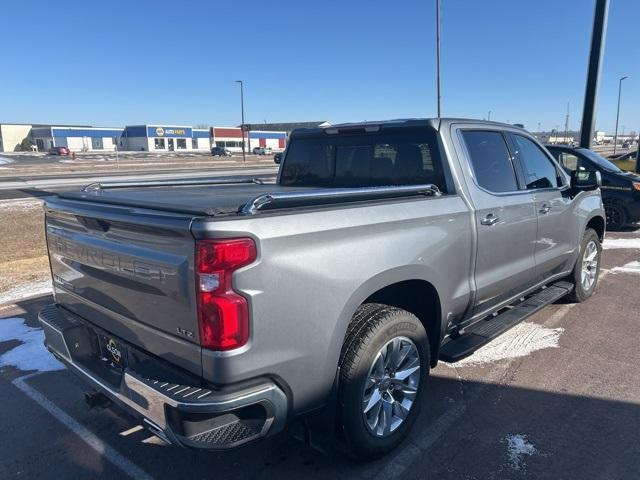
point(490, 220)
point(545, 209)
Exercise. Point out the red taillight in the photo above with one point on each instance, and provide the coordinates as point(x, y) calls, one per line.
point(223, 315)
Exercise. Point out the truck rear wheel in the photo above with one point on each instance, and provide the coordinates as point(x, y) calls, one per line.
point(383, 369)
point(587, 269)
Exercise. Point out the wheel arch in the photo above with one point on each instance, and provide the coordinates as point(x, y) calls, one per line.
point(420, 298)
point(598, 224)
point(413, 288)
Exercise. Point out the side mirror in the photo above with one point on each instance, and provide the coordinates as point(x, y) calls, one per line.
point(585, 180)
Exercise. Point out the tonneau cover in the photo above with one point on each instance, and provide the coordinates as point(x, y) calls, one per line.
point(204, 200)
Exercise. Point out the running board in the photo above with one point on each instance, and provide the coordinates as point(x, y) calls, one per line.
point(482, 332)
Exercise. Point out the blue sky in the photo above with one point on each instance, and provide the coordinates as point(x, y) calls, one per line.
point(130, 62)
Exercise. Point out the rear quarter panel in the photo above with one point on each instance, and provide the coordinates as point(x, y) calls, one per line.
point(315, 268)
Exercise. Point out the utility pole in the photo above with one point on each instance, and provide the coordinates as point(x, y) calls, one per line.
point(489, 116)
point(566, 126)
point(117, 159)
point(593, 74)
point(438, 56)
point(244, 159)
point(615, 136)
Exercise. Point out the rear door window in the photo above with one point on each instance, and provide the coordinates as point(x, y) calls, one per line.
point(539, 170)
point(490, 160)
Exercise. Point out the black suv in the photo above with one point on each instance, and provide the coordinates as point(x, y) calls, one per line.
point(620, 189)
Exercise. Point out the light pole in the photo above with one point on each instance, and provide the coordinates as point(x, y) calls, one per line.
point(438, 55)
point(489, 116)
point(242, 112)
point(598, 34)
point(615, 136)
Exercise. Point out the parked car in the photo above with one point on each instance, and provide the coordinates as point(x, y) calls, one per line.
point(262, 151)
point(59, 151)
point(220, 152)
point(628, 162)
point(218, 315)
point(277, 158)
point(620, 189)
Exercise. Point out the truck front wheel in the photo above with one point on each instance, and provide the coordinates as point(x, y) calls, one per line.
point(587, 269)
point(383, 369)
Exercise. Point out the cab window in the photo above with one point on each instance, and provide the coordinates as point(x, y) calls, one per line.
point(491, 161)
point(387, 158)
point(538, 170)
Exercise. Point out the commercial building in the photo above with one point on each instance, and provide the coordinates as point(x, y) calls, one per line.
point(231, 138)
point(14, 136)
point(288, 127)
point(168, 138)
point(150, 138)
point(78, 139)
point(133, 137)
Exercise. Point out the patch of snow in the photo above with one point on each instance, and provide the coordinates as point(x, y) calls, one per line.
point(27, 290)
point(522, 340)
point(610, 243)
point(31, 354)
point(21, 204)
point(5, 160)
point(517, 448)
point(631, 267)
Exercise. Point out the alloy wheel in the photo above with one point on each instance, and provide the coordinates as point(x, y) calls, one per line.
point(391, 386)
point(589, 265)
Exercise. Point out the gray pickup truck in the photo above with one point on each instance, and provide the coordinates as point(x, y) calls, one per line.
point(220, 311)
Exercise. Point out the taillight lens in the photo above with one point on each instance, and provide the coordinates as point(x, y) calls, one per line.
point(223, 314)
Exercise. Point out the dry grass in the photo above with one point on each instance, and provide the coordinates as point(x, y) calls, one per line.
point(23, 253)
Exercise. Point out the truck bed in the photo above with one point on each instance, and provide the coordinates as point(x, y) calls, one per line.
point(201, 200)
point(213, 199)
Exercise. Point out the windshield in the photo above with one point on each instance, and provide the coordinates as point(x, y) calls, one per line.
point(600, 161)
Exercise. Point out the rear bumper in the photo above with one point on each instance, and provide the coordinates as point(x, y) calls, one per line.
point(175, 406)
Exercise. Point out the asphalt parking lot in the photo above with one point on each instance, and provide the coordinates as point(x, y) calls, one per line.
point(557, 397)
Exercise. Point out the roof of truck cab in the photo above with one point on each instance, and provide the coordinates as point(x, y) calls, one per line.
point(436, 123)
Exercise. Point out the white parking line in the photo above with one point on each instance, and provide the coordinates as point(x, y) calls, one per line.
point(631, 267)
point(103, 449)
point(131, 430)
point(627, 243)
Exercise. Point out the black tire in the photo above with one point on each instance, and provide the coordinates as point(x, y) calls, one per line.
point(616, 215)
point(372, 327)
point(580, 293)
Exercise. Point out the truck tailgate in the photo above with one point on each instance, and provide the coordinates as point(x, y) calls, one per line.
point(129, 271)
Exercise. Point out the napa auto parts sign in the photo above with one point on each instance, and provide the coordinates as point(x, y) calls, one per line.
point(169, 132)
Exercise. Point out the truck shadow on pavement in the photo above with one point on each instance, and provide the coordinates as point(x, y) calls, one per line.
point(468, 428)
